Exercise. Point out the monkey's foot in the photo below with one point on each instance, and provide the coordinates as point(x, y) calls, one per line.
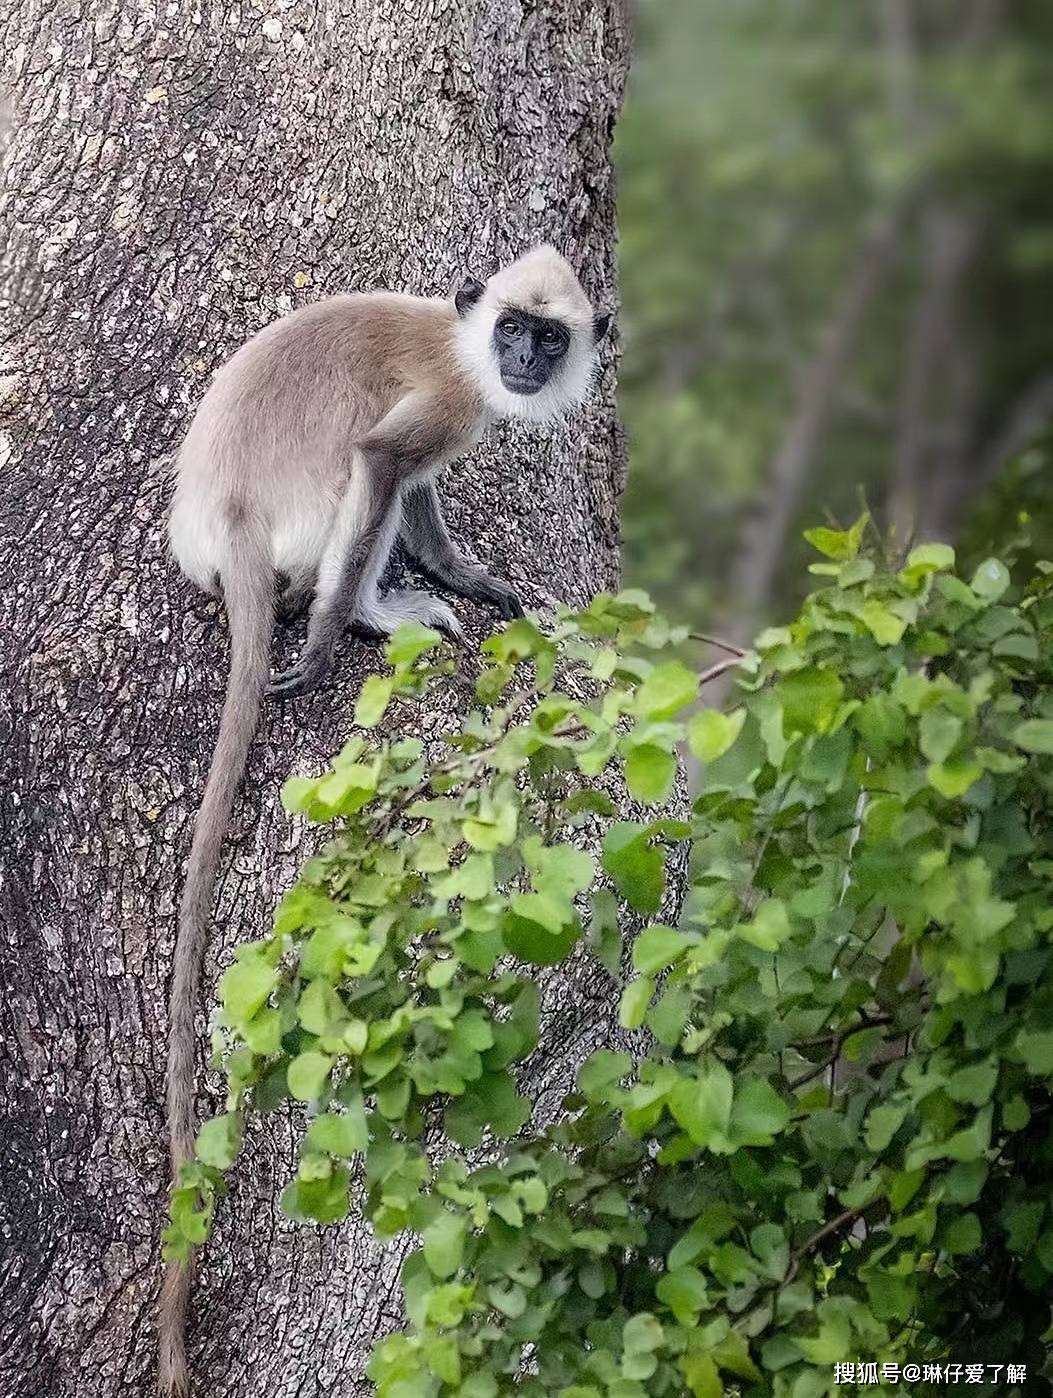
point(503, 599)
point(302, 678)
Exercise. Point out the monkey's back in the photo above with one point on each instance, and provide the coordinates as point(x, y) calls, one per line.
point(274, 434)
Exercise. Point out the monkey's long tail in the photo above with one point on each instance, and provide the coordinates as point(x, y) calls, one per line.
point(249, 595)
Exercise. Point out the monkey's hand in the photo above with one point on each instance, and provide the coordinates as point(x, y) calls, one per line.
point(303, 677)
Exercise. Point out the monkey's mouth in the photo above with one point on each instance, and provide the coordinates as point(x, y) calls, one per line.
point(514, 384)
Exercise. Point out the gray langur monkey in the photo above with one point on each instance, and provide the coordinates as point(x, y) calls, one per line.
point(315, 447)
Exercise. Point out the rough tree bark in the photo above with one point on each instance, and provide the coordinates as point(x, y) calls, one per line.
point(177, 175)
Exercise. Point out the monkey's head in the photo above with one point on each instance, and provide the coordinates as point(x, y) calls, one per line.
point(529, 336)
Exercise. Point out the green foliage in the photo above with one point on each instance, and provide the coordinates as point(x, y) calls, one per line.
point(836, 1140)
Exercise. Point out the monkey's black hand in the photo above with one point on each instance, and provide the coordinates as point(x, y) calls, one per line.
point(303, 677)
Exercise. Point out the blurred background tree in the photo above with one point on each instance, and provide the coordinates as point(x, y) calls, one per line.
point(837, 269)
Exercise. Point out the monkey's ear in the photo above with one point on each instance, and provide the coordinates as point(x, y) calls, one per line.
point(600, 325)
point(469, 292)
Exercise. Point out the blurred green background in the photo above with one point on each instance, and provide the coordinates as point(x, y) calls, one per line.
point(836, 243)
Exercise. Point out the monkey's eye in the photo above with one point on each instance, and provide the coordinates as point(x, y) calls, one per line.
point(509, 328)
point(553, 342)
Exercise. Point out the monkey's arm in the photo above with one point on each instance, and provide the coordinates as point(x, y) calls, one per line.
point(434, 553)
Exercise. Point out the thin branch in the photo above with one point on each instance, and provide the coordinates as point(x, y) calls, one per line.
point(876, 1023)
point(839, 1039)
point(834, 1226)
point(716, 641)
point(721, 668)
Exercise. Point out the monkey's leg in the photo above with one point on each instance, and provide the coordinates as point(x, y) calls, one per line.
point(435, 554)
point(354, 557)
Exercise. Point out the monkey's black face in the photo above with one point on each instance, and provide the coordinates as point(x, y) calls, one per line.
point(529, 349)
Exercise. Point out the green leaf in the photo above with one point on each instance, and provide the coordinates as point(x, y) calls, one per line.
point(340, 1133)
point(636, 866)
point(604, 932)
point(810, 700)
point(964, 1183)
point(325, 1200)
point(666, 690)
point(535, 941)
point(1035, 735)
point(263, 1032)
point(711, 733)
point(928, 558)
point(642, 1334)
point(547, 910)
point(319, 1007)
point(1022, 1222)
point(1044, 1250)
point(882, 1124)
point(219, 1141)
point(702, 1104)
point(769, 927)
point(650, 772)
point(658, 947)
point(962, 1234)
point(308, 1075)
point(881, 722)
point(408, 642)
point(837, 544)
point(885, 627)
point(373, 700)
point(1016, 1114)
point(446, 1307)
point(954, 778)
point(245, 986)
point(939, 734)
point(348, 787)
point(974, 1083)
point(990, 580)
point(701, 1375)
point(634, 1002)
point(758, 1113)
point(1036, 1049)
point(509, 1299)
point(561, 868)
point(443, 1243)
point(684, 1291)
point(601, 1070)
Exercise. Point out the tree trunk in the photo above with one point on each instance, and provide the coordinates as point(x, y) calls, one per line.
point(175, 179)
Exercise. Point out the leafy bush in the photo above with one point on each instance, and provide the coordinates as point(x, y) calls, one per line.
point(835, 1144)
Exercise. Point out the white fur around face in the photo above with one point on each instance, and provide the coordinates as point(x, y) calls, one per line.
point(543, 283)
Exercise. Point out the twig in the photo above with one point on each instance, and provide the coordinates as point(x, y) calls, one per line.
point(716, 641)
point(834, 1035)
point(839, 1039)
point(720, 668)
point(792, 1267)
